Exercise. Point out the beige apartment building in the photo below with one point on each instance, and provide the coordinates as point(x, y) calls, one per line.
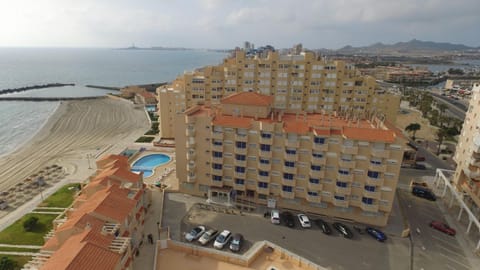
point(244, 150)
point(467, 155)
point(303, 82)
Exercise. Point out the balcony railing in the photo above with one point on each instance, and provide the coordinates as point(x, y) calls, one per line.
point(317, 174)
point(264, 167)
point(191, 178)
point(190, 143)
point(319, 161)
point(217, 172)
point(216, 183)
point(218, 160)
point(343, 190)
point(240, 175)
point(475, 162)
point(292, 143)
point(191, 155)
point(190, 120)
point(377, 167)
point(345, 177)
point(289, 169)
point(314, 186)
point(191, 167)
point(239, 187)
point(346, 164)
point(288, 182)
point(263, 178)
point(217, 135)
point(190, 132)
point(372, 194)
point(380, 153)
point(242, 163)
point(476, 144)
point(374, 181)
point(263, 140)
point(265, 154)
point(320, 147)
point(369, 207)
point(287, 195)
point(241, 137)
point(351, 150)
point(340, 203)
point(218, 148)
point(261, 190)
point(313, 199)
point(290, 157)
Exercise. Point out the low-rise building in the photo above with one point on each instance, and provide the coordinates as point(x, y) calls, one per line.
point(341, 164)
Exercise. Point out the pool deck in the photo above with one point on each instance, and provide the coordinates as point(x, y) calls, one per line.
point(171, 179)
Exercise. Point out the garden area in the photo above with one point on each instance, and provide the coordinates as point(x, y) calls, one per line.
point(62, 197)
point(29, 230)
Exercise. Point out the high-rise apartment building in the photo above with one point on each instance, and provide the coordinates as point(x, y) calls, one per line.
point(467, 155)
point(246, 150)
point(303, 82)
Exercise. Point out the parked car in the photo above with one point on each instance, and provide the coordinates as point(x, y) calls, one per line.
point(195, 233)
point(288, 219)
point(423, 192)
point(343, 230)
point(420, 158)
point(304, 221)
point(222, 239)
point(377, 234)
point(419, 166)
point(207, 236)
point(442, 227)
point(275, 217)
point(323, 225)
point(236, 243)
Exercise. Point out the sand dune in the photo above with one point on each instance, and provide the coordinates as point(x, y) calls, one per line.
point(77, 129)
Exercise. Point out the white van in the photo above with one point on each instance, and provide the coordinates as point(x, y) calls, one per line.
point(275, 216)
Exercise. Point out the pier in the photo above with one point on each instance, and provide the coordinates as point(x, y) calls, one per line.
point(33, 87)
point(47, 98)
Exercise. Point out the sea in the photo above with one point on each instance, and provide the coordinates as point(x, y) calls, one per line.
point(19, 67)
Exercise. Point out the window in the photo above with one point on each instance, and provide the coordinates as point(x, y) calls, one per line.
point(263, 173)
point(239, 169)
point(313, 193)
point(343, 171)
point(217, 154)
point(216, 166)
point(376, 162)
point(262, 185)
point(216, 178)
point(291, 151)
point(370, 188)
point(314, 181)
point(341, 184)
point(265, 147)
point(240, 157)
point(319, 140)
point(218, 143)
point(241, 144)
point(239, 181)
point(264, 161)
point(341, 198)
point(287, 188)
point(315, 167)
point(372, 174)
point(288, 176)
point(317, 155)
point(289, 164)
point(266, 135)
point(367, 200)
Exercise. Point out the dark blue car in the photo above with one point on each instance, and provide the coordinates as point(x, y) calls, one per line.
point(377, 234)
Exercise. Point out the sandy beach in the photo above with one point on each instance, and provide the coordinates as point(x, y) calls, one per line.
point(77, 130)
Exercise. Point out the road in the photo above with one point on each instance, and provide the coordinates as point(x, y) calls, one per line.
point(455, 108)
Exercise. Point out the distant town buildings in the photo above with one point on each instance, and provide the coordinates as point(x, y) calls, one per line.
point(400, 74)
point(303, 82)
point(245, 149)
point(104, 226)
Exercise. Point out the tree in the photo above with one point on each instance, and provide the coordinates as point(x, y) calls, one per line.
point(442, 108)
point(7, 264)
point(413, 127)
point(30, 224)
point(441, 134)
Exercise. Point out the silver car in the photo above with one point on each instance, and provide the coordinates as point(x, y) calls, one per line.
point(195, 233)
point(207, 236)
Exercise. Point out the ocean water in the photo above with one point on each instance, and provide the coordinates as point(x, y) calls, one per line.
point(19, 67)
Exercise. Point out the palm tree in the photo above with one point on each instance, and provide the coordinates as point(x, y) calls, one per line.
point(441, 134)
point(413, 127)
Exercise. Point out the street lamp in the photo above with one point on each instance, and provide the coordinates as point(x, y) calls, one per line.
point(158, 229)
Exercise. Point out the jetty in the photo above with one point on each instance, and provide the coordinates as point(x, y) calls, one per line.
point(48, 98)
point(33, 87)
point(103, 87)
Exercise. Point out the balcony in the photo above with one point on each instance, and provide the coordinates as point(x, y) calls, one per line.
point(472, 173)
point(343, 190)
point(190, 132)
point(241, 151)
point(288, 182)
point(288, 169)
point(319, 161)
point(217, 135)
point(287, 195)
point(218, 148)
point(314, 186)
point(264, 167)
point(263, 178)
point(261, 190)
point(290, 157)
point(369, 207)
point(191, 177)
point(191, 167)
point(346, 164)
point(350, 150)
point(372, 194)
point(217, 172)
point(374, 181)
point(475, 162)
point(320, 147)
point(292, 143)
point(190, 142)
point(345, 177)
point(377, 167)
point(266, 140)
point(476, 144)
point(313, 199)
point(216, 183)
point(317, 174)
point(239, 187)
point(190, 120)
point(241, 137)
point(191, 155)
point(380, 153)
point(265, 154)
point(241, 163)
point(218, 160)
point(240, 175)
point(340, 203)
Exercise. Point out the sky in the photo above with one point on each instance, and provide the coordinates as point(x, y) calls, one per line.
point(224, 24)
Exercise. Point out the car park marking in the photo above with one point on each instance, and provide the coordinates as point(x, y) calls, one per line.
point(455, 261)
point(452, 254)
point(449, 243)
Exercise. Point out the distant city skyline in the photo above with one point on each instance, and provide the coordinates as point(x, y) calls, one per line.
point(223, 24)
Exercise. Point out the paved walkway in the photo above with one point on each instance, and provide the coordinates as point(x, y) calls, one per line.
point(18, 253)
point(21, 246)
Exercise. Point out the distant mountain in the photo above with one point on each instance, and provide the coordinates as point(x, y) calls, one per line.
point(411, 46)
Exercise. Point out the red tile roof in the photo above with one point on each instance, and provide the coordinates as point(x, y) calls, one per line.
point(119, 172)
point(248, 98)
point(370, 135)
point(232, 121)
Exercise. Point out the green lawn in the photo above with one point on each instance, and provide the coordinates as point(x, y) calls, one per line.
point(21, 260)
point(62, 198)
point(18, 250)
point(16, 234)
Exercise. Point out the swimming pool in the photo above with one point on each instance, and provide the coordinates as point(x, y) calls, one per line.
point(147, 164)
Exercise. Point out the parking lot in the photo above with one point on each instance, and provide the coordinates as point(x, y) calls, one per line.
point(331, 251)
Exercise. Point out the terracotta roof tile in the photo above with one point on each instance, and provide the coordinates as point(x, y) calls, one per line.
point(232, 121)
point(298, 127)
point(369, 135)
point(120, 172)
point(248, 98)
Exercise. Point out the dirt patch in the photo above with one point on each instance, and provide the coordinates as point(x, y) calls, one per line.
point(408, 116)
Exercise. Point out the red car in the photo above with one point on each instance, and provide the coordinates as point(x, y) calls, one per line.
point(442, 227)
